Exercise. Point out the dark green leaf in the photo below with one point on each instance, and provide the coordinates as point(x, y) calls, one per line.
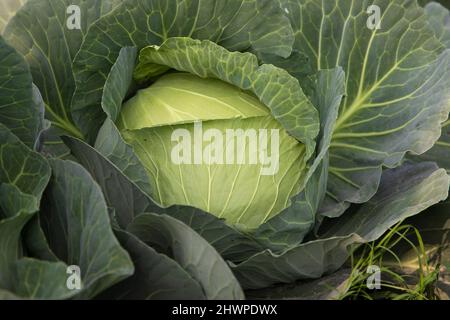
point(42, 280)
point(20, 102)
point(439, 19)
point(14, 201)
point(404, 192)
point(120, 193)
point(396, 85)
point(326, 288)
point(112, 146)
point(39, 31)
point(157, 277)
point(10, 247)
point(35, 242)
point(290, 227)
point(75, 220)
point(118, 82)
point(22, 168)
point(176, 240)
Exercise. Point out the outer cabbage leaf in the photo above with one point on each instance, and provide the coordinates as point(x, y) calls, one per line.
point(23, 170)
point(329, 287)
point(118, 82)
point(13, 201)
point(39, 31)
point(292, 225)
point(75, 220)
point(109, 142)
point(35, 242)
point(24, 175)
point(27, 278)
point(176, 240)
point(396, 85)
point(157, 277)
point(20, 101)
point(231, 23)
point(113, 147)
point(42, 280)
point(7, 10)
point(427, 2)
point(128, 200)
point(10, 246)
point(404, 192)
point(53, 147)
point(297, 64)
point(439, 18)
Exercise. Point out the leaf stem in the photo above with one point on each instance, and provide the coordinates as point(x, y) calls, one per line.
point(64, 124)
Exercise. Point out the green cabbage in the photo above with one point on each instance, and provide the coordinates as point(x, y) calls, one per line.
point(184, 149)
point(236, 161)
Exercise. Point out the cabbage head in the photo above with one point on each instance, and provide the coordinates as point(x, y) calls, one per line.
point(210, 145)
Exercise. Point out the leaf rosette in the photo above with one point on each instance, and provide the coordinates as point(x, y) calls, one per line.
point(90, 121)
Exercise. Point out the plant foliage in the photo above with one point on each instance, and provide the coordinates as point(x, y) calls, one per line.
point(87, 117)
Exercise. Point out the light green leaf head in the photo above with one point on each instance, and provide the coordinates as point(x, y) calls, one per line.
point(219, 132)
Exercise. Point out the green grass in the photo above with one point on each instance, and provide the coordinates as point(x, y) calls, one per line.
point(395, 283)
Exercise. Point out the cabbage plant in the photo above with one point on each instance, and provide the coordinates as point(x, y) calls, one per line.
point(213, 149)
